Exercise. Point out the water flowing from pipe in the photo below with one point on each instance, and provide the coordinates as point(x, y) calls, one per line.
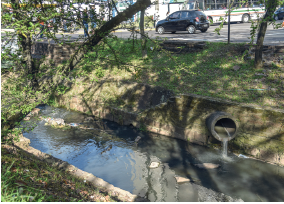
point(225, 142)
point(225, 148)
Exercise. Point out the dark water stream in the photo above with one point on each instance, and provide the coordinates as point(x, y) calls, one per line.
point(113, 156)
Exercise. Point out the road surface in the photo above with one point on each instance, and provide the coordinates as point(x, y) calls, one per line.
point(240, 32)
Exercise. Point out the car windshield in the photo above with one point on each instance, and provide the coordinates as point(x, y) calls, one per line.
point(175, 15)
point(199, 13)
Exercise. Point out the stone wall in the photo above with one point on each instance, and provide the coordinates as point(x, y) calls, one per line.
point(55, 52)
point(59, 53)
point(261, 130)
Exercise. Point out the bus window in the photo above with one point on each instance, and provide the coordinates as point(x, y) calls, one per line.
point(191, 6)
point(209, 4)
point(201, 6)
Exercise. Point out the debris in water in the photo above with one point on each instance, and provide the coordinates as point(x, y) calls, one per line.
point(59, 121)
point(54, 121)
point(154, 165)
point(243, 156)
point(181, 179)
point(137, 139)
point(207, 166)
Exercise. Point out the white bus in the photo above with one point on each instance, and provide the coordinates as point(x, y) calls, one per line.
point(240, 12)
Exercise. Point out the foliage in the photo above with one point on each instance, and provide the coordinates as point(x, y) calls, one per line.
point(29, 81)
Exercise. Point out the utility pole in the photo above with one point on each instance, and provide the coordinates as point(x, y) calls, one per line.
point(229, 21)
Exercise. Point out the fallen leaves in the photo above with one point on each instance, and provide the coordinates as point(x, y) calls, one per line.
point(13, 169)
point(84, 193)
point(107, 198)
point(43, 182)
point(20, 183)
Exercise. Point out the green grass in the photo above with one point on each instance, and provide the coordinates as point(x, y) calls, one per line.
point(208, 72)
point(26, 178)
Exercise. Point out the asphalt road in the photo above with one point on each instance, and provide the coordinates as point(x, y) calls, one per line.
point(240, 32)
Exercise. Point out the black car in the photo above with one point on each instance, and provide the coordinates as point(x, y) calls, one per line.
point(184, 20)
point(279, 14)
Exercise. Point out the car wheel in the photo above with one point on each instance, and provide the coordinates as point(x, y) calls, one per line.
point(191, 29)
point(204, 30)
point(276, 18)
point(245, 18)
point(161, 30)
point(173, 32)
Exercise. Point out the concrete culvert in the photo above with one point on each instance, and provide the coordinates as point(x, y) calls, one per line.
point(222, 126)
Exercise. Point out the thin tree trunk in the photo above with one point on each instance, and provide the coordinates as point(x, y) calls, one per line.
point(143, 43)
point(31, 69)
point(270, 8)
point(26, 44)
point(259, 45)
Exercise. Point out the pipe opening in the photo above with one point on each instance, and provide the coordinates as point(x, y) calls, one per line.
point(222, 126)
point(225, 128)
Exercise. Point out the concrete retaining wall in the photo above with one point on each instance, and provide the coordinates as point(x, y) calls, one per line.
point(261, 130)
point(59, 53)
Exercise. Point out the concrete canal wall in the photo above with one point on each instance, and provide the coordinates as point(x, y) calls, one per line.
point(260, 130)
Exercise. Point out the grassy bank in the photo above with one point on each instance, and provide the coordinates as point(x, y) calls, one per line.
point(26, 178)
point(219, 71)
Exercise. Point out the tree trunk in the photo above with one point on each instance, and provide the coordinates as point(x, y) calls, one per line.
point(31, 69)
point(270, 8)
point(259, 45)
point(143, 43)
point(26, 44)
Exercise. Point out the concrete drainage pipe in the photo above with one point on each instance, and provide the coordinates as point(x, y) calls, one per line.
point(222, 126)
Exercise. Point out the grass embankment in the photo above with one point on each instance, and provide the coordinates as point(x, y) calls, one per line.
point(26, 178)
point(209, 72)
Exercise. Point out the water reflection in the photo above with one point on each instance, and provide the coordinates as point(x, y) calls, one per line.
point(112, 155)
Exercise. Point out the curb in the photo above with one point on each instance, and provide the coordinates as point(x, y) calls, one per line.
point(81, 32)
